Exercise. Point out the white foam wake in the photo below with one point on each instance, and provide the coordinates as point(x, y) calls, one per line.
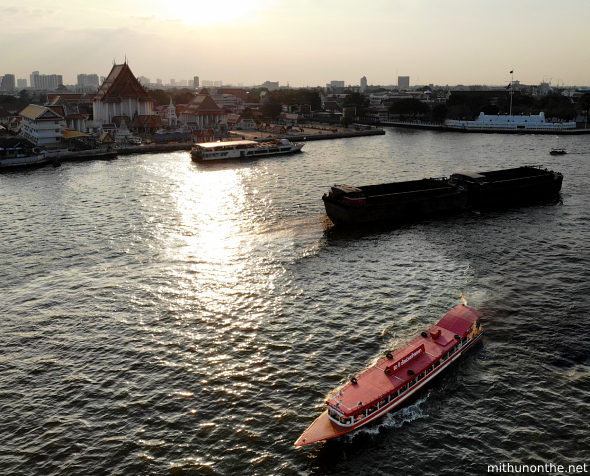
point(394, 419)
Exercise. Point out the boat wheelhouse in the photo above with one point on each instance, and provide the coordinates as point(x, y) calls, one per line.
point(242, 149)
point(393, 379)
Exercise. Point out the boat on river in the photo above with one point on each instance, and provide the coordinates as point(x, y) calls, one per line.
point(508, 186)
point(242, 149)
point(349, 205)
point(558, 152)
point(396, 377)
point(521, 124)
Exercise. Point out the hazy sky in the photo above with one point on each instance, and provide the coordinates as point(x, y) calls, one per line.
point(302, 42)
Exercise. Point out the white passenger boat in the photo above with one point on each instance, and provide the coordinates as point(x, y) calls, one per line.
point(508, 123)
point(242, 149)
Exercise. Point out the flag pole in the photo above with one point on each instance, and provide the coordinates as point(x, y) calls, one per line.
point(511, 90)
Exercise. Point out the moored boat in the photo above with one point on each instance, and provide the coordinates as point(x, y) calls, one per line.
point(23, 161)
point(508, 186)
point(558, 152)
point(242, 149)
point(348, 205)
point(393, 379)
point(531, 124)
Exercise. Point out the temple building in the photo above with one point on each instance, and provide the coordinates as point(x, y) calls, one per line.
point(202, 113)
point(121, 97)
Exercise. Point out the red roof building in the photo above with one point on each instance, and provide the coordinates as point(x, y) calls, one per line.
point(202, 113)
point(121, 94)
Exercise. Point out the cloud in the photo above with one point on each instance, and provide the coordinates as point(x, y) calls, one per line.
point(26, 12)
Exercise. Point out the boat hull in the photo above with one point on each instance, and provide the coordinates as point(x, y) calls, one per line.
point(22, 162)
point(395, 207)
point(512, 187)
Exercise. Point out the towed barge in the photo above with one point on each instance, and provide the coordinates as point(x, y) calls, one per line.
point(509, 186)
point(393, 379)
point(348, 205)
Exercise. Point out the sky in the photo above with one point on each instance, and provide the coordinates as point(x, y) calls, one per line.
point(302, 42)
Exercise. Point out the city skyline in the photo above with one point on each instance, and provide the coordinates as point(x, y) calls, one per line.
point(444, 42)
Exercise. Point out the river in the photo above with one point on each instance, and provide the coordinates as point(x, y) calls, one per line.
point(164, 317)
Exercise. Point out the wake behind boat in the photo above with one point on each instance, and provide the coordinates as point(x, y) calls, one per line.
point(392, 380)
point(242, 149)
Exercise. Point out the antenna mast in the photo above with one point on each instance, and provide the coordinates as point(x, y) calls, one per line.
point(511, 90)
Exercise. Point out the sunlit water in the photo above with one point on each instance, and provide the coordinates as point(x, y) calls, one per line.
point(161, 317)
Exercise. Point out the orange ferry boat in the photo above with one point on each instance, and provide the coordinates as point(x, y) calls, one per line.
point(392, 380)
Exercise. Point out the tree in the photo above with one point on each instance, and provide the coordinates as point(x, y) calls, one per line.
point(183, 96)
point(584, 103)
point(439, 112)
point(24, 96)
point(490, 110)
point(460, 113)
point(272, 109)
point(410, 107)
point(62, 89)
point(160, 96)
point(357, 100)
point(253, 96)
point(348, 118)
point(204, 91)
point(557, 105)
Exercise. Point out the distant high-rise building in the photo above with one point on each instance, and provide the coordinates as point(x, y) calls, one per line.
point(88, 80)
point(143, 80)
point(45, 81)
point(196, 82)
point(158, 81)
point(32, 78)
point(218, 84)
point(183, 82)
point(403, 82)
point(7, 83)
point(335, 84)
point(206, 82)
point(173, 82)
point(271, 85)
point(21, 83)
point(363, 83)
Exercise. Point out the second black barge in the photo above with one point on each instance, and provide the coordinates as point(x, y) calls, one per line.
point(402, 201)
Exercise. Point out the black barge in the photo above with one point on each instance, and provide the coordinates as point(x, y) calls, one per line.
point(403, 201)
point(500, 188)
point(348, 205)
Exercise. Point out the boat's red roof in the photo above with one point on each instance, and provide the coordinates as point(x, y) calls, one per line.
point(375, 384)
point(459, 319)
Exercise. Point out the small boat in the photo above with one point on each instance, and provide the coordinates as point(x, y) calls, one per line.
point(348, 205)
point(558, 152)
point(242, 149)
point(508, 186)
point(398, 376)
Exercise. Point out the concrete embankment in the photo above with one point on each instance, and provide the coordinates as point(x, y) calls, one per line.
point(331, 135)
point(154, 148)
